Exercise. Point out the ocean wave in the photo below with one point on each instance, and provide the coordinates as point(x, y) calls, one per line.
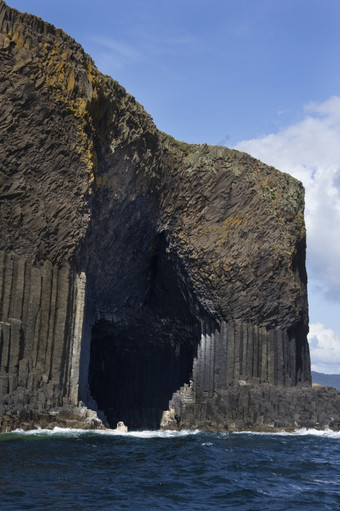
point(72, 432)
point(327, 433)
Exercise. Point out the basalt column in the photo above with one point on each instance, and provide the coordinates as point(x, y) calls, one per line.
point(234, 362)
point(40, 332)
point(238, 351)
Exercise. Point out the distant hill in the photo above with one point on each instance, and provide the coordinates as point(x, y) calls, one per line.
point(328, 380)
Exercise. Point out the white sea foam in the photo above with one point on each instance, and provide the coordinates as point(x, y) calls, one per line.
point(327, 433)
point(318, 432)
point(148, 433)
point(55, 431)
point(70, 432)
point(162, 434)
point(107, 432)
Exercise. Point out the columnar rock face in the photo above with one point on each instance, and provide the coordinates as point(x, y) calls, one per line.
point(42, 309)
point(131, 262)
point(237, 350)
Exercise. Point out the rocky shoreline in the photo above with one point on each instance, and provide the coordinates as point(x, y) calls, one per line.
point(254, 408)
point(29, 418)
point(250, 407)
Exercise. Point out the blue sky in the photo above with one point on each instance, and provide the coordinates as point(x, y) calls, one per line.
point(262, 76)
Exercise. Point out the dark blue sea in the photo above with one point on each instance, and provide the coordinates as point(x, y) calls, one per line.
point(150, 470)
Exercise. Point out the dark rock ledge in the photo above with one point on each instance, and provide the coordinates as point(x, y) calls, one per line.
point(132, 263)
point(248, 407)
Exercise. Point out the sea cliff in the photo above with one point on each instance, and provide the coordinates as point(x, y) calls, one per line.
point(136, 269)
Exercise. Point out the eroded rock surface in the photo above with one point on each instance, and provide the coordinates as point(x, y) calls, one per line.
point(250, 407)
point(131, 262)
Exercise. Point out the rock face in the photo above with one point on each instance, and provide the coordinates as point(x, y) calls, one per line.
point(131, 262)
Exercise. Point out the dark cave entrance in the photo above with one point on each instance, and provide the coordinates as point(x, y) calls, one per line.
point(136, 367)
point(133, 381)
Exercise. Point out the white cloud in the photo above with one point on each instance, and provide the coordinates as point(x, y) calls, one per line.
point(122, 49)
point(113, 54)
point(141, 46)
point(324, 348)
point(310, 150)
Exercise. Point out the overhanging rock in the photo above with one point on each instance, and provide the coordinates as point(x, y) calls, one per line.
point(132, 263)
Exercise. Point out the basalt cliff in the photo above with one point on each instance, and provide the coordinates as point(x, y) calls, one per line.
point(142, 279)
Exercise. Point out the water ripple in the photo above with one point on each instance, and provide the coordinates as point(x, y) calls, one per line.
point(157, 470)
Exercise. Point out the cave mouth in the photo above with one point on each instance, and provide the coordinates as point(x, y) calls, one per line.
point(135, 367)
point(132, 378)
